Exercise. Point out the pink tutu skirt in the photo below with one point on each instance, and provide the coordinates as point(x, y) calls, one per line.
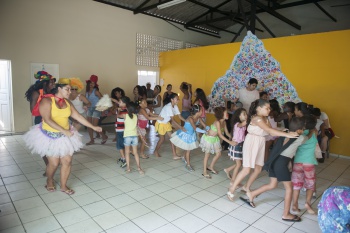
point(47, 143)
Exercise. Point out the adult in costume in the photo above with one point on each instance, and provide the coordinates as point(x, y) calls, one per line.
point(54, 137)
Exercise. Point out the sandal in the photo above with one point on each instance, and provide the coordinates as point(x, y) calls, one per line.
point(141, 172)
point(68, 191)
point(207, 176)
point(90, 143)
point(230, 196)
point(50, 189)
point(248, 202)
point(295, 219)
point(212, 171)
point(104, 140)
point(127, 171)
point(144, 157)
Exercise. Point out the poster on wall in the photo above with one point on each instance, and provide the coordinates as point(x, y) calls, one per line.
point(52, 69)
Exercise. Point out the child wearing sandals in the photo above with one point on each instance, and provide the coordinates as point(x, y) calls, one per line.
point(210, 142)
point(165, 127)
point(239, 122)
point(144, 116)
point(277, 165)
point(304, 173)
point(187, 140)
point(254, 144)
point(130, 137)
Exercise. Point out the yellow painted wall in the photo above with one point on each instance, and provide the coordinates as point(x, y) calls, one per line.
point(318, 65)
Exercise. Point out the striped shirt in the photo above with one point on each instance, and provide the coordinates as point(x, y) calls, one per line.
point(119, 124)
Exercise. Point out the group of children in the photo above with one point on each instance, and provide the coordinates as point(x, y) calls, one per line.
point(247, 142)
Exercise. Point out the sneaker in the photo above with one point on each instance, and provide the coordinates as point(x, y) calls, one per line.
point(189, 168)
point(123, 164)
point(119, 160)
point(184, 160)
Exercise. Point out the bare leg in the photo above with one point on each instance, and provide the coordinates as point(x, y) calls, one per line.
point(235, 172)
point(295, 207)
point(142, 148)
point(160, 142)
point(252, 177)
point(127, 157)
point(308, 207)
point(272, 185)
point(137, 159)
point(187, 157)
point(215, 159)
point(241, 175)
point(205, 164)
point(66, 164)
point(288, 200)
point(51, 169)
point(122, 153)
point(173, 148)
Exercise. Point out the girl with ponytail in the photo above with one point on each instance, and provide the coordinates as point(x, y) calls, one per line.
point(254, 145)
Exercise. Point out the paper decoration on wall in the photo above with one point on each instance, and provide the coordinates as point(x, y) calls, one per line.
point(253, 61)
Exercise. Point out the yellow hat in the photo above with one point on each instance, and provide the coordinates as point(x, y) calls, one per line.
point(65, 81)
point(76, 82)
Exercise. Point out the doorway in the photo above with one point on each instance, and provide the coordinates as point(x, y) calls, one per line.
point(147, 76)
point(6, 113)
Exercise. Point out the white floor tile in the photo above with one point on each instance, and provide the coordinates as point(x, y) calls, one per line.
point(155, 202)
point(110, 219)
point(171, 212)
point(109, 192)
point(141, 194)
point(23, 194)
point(126, 227)
point(120, 201)
point(273, 226)
point(190, 223)
point(28, 203)
point(134, 210)
point(173, 195)
point(205, 196)
point(208, 214)
point(246, 215)
point(150, 222)
point(17, 229)
point(189, 204)
point(307, 225)
point(6, 209)
point(168, 228)
point(98, 208)
point(86, 199)
point(71, 217)
point(9, 221)
point(210, 229)
point(230, 224)
point(86, 226)
point(33, 214)
point(42, 225)
point(62, 206)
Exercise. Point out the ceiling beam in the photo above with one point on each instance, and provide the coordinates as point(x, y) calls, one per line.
point(208, 12)
point(238, 34)
point(326, 12)
point(141, 5)
point(264, 26)
point(221, 29)
point(275, 14)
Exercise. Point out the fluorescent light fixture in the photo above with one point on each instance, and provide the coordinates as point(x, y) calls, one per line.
point(171, 3)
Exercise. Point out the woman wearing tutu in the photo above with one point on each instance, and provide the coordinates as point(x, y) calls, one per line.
point(187, 140)
point(54, 137)
point(210, 142)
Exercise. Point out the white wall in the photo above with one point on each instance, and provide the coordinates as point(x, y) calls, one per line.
point(83, 37)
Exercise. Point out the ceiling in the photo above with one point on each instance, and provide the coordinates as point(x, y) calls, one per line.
point(213, 17)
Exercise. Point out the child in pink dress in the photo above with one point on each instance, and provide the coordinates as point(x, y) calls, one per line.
point(254, 144)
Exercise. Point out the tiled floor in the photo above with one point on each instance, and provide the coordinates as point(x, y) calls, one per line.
point(167, 198)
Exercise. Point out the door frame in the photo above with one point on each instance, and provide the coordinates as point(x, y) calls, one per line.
point(10, 93)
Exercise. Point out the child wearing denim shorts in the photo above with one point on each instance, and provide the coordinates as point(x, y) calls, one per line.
point(119, 128)
point(130, 137)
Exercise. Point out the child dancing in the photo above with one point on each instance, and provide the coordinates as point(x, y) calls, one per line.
point(187, 140)
point(239, 122)
point(210, 142)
